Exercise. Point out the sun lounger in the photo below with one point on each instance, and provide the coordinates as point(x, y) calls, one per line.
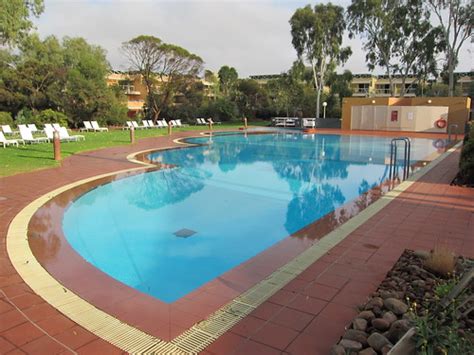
point(64, 135)
point(7, 129)
point(210, 120)
point(32, 128)
point(164, 123)
point(87, 126)
point(136, 126)
point(56, 126)
point(27, 137)
point(96, 127)
point(151, 124)
point(48, 126)
point(4, 142)
point(145, 124)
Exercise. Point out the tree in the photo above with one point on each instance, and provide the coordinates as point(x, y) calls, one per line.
point(15, 20)
point(398, 37)
point(164, 67)
point(456, 18)
point(317, 37)
point(227, 78)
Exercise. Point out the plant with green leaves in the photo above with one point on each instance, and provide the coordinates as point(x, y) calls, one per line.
point(15, 21)
point(228, 77)
point(398, 37)
point(317, 35)
point(164, 67)
point(455, 21)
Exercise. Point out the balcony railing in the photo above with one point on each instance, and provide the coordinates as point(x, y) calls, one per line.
point(382, 91)
point(364, 91)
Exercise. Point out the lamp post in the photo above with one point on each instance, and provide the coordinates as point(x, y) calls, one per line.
point(324, 109)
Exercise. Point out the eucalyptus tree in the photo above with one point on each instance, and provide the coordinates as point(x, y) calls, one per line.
point(456, 18)
point(317, 37)
point(398, 37)
point(228, 77)
point(15, 20)
point(164, 68)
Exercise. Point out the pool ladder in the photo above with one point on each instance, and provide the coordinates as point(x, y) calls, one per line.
point(393, 169)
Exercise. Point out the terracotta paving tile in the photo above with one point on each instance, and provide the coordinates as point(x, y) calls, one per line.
point(266, 310)
point(254, 348)
point(247, 326)
point(44, 346)
point(27, 300)
point(22, 334)
point(5, 346)
point(337, 313)
point(332, 280)
point(282, 297)
point(99, 347)
point(292, 318)
point(226, 344)
point(40, 311)
point(275, 335)
point(320, 291)
point(56, 324)
point(16, 352)
point(307, 304)
point(5, 306)
point(10, 319)
point(75, 337)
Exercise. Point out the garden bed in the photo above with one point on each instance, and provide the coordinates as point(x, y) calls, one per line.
point(411, 296)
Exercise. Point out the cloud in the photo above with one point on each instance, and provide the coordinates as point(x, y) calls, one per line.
point(253, 36)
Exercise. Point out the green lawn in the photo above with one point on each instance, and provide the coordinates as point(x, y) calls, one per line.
point(30, 157)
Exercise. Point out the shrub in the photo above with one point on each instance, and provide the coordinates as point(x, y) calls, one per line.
point(48, 116)
point(6, 118)
point(442, 261)
point(466, 161)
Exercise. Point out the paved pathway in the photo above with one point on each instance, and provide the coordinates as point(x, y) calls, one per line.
point(306, 316)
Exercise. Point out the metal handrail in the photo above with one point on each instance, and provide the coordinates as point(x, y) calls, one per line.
point(393, 169)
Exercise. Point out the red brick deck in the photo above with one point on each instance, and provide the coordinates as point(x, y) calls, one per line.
point(306, 316)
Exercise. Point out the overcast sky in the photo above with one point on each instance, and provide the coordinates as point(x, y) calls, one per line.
point(253, 36)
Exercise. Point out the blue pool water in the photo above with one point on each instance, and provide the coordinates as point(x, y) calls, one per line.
point(239, 195)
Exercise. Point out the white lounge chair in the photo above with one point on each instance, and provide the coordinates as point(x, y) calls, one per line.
point(32, 128)
point(136, 126)
point(23, 126)
point(48, 126)
point(200, 121)
point(164, 123)
point(151, 124)
point(96, 127)
point(4, 142)
point(128, 126)
point(159, 124)
point(87, 126)
point(64, 135)
point(179, 123)
point(56, 126)
point(7, 129)
point(27, 137)
point(145, 124)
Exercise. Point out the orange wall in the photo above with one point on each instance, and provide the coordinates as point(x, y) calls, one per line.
point(458, 107)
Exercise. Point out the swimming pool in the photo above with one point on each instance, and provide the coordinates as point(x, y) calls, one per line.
point(168, 232)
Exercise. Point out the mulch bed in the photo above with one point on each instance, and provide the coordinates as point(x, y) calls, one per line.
point(408, 287)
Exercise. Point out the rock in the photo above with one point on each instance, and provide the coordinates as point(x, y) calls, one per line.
point(359, 324)
point(377, 341)
point(386, 349)
point(389, 317)
point(374, 302)
point(396, 306)
point(418, 283)
point(380, 324)
point(356, 335)
point(350, 345)
point(338, 350)
point(367, 315)
point(397, 330)
point(368, 351)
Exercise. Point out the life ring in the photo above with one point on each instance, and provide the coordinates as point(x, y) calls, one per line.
point(439, 143)
point(441, 123)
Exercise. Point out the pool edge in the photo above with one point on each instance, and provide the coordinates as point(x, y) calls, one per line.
point(201, 334)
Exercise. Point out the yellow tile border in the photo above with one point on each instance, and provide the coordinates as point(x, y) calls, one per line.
point(203, 333)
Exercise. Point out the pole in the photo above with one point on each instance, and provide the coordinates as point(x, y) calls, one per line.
point(245, 122)
point(324, 111)
point(57, 146)
point(132, 135)
point(170, 129)
point(210, 125)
